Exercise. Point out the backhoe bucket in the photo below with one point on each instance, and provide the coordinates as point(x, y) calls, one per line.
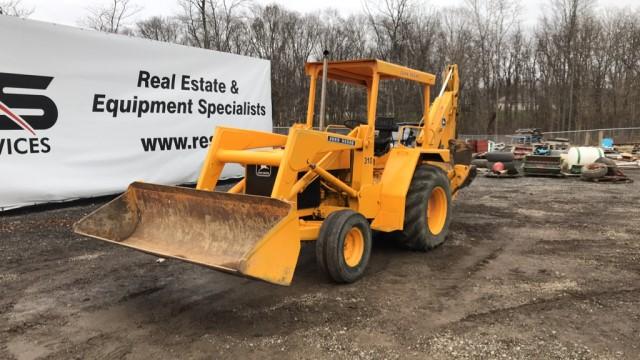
point(241, 234)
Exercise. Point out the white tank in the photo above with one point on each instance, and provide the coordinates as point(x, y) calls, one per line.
point(583, 155)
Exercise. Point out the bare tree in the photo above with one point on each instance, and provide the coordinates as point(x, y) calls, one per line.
point(161, 29)
point(216, 24)
point(558, 40)
point(578, 69)
point(492, 19)
point(389, 20)
point(15, 8)
point(195, 20)
point(111, 18)
point(227, 21)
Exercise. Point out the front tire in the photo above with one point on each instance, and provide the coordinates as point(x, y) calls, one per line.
point(427, 210)
point(343, 247)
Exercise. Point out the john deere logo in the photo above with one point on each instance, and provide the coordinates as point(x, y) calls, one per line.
point(263, 171)
point(23, 111)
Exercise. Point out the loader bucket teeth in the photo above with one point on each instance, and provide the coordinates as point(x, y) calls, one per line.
point(249, 235)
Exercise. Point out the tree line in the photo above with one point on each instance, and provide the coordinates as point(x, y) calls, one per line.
point(577, 68)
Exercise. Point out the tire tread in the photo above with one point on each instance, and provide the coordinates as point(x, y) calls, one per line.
point(416, 235)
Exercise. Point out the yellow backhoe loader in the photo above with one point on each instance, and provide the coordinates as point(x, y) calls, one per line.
point(330, 186)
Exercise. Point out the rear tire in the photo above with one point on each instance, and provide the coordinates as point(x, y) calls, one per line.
point(343, 247)
point(427, 210)
point(499, 156)
point(479, 163)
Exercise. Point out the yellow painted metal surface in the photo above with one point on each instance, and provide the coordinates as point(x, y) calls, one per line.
point(302, 148)
point(248, 235)
point(309, 230)
point(260, 237)
point(437, 210)
point(232, 139)
point(368, 201)
point(275, 256)
point(353, 248)
point(395, 182)
point(440, 125)
point(360, 71)
point(458, 176)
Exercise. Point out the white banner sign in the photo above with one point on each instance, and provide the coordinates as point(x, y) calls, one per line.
point(84, 113)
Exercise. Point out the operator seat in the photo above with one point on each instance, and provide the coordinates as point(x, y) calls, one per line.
point(384, 139)
point(385, 126)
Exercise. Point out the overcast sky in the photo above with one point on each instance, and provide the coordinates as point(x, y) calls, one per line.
point(70, 11)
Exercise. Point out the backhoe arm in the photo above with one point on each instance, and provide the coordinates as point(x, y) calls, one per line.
point(439, 130)
point(440, 125)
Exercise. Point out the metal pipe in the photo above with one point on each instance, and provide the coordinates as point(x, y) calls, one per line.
point(309, 230)
point(334, 180)
point(238, 187)
point(446, 82)
point(309, 176)
point(323, 90)
point(249, 157)
point(444, 87)
point(301, 184)
point(312, 101)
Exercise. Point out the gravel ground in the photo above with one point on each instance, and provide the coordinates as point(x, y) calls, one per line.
point(533, 268)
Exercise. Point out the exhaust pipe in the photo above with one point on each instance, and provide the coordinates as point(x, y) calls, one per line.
point(323, 90)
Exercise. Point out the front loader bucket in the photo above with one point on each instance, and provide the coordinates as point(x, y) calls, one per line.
point(242, 234)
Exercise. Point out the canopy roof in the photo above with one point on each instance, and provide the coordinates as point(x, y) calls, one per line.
point(361, 71)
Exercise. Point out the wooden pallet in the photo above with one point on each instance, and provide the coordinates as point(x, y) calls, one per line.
point(559, 174)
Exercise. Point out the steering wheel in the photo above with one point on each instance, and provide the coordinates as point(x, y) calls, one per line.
point(352, 124)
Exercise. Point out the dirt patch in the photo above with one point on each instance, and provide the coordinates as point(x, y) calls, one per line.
point(533, 268)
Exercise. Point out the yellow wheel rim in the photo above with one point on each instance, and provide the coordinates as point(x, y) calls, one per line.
point(353, 247)
point(437, 210)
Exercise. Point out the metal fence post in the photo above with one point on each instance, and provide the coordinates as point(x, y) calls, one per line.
point(600, 137)
point(587, 138)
